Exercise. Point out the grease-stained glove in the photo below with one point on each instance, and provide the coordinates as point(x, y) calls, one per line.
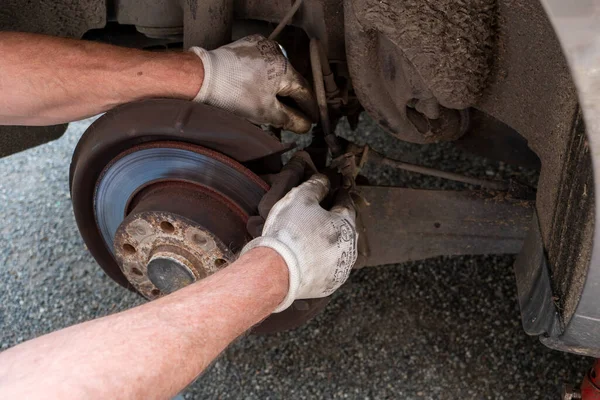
point(247, 77)
point(318, 246)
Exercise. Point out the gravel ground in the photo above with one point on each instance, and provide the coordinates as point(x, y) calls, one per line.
point(445, 328)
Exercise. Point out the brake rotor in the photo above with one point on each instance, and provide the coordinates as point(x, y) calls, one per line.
point(161, 198)
point(170, 207)
point(112, 139)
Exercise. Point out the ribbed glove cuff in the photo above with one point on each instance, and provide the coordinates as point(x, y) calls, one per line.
point(202, 95)
point(291, 261)
point(221, 86)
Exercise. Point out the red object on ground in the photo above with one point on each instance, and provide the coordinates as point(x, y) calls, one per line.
point(590, 387)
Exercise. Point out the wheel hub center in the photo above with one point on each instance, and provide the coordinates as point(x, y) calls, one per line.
point(169, 273)
point(160, 252)
point(176, 233)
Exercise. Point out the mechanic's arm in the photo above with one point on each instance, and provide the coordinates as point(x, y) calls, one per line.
point(46, 80)
point(152, 351)
point(155, 350)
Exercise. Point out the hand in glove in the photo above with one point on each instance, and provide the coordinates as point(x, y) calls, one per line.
point(318, 246)
point(247, 77)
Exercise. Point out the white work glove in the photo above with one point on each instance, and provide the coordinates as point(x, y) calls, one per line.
point(318, 246)
point(246, 77)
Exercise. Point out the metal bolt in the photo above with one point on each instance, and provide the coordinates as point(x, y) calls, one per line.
point(570, 393)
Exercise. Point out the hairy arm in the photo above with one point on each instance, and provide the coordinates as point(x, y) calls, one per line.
point(151, 351)
point(46, 80)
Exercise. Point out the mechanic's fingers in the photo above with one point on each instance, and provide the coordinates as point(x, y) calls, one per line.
point(255, 225)
point(344, 205)
point(245, 41)
point(289, 177)
point(298, 89)
point(313, 190)
point(294, 120)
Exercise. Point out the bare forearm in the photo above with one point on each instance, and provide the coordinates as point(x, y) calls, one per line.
point(152, 351)
point(46, 80)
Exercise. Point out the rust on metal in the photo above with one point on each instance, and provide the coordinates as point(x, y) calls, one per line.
point(145, 122)
point(409, 224)
point(142, 237)
point(205, 207)
point(196, 149)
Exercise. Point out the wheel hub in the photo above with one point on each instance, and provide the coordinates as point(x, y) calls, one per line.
point(160, 252)
point(174, 213)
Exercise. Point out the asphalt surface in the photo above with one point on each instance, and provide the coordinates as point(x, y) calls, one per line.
point(446, 328)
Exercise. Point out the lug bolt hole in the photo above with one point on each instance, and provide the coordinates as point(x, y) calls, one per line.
point(155, 292)
point(129, 249)
point(136, 271)
point(219, 262)
point(167, 227)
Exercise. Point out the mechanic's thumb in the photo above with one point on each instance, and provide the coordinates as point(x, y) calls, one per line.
point(313, 190)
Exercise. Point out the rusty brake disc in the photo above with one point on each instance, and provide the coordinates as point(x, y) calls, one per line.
point(161, 199)
point(151, 121)
point(178, 205)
